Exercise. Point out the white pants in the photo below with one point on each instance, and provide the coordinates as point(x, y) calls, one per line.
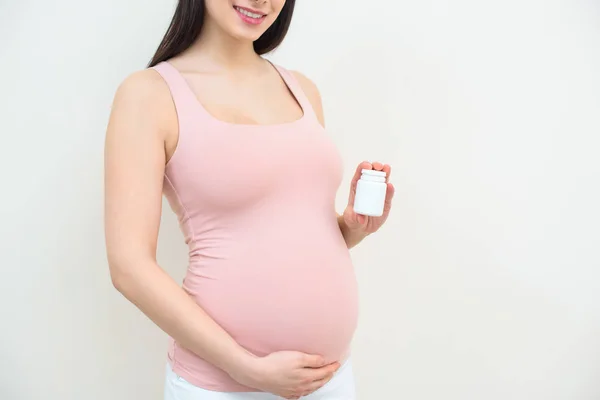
point(340, 387)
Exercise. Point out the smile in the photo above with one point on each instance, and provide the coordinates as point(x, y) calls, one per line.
point(250, 16)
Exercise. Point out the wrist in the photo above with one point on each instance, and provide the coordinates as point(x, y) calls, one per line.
point(242, 367)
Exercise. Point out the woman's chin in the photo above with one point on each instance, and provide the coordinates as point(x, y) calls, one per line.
point(243, 35)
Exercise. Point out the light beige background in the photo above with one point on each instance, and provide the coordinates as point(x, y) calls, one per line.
point(484, 284)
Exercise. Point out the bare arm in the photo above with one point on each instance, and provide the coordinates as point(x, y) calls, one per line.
point(134, 168)
point(351, 237)
point(142, 121)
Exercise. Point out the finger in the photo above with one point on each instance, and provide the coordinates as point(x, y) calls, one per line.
point(389, 195)
point(312, 361)
point(352, 194)
point(388, 170)
point(318, 374)
point(316, 385)
point(357, 174)
point(351, 218)
point(359, 168)
point(362, 219)
point(377, 166)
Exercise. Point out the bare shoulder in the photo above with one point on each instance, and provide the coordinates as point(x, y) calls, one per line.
point(144, 89)
point(143, 98)
point(313, 94)
point(307, 85)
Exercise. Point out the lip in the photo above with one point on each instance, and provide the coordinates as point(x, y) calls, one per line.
point(249, 20)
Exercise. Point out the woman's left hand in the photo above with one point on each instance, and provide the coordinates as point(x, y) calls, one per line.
point(362, 223)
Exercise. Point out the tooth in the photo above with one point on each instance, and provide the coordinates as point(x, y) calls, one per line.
point(248, 13)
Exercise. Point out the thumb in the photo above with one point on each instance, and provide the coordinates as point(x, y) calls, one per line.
point(362, 219)
point(312, 361)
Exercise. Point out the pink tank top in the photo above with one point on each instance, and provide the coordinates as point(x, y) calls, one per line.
point(267, 260)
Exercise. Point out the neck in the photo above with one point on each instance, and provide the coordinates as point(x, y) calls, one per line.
point(221, 50)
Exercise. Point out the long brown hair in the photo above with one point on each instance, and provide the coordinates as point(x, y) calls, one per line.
point(188, 20)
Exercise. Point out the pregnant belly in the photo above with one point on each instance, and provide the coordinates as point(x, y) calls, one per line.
point(283, 296)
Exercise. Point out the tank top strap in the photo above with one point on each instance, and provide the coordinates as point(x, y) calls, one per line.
point(294, 87)
point(183, 97)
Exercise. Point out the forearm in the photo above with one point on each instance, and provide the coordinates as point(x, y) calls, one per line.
point(176, 313)
point(352, 238)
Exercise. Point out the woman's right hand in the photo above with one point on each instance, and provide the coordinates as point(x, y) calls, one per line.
point(288, 374)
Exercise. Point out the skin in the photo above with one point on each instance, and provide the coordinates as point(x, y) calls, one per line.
point(237, 86)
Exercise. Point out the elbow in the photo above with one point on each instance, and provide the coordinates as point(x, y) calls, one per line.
point(118, 276)
point(127, 270)
point(117, 281)
point(120, 273)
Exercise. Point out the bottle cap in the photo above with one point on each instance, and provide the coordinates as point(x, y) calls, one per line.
point(373, 172)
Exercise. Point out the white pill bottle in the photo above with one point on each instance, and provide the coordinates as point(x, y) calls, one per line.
point(370, 193)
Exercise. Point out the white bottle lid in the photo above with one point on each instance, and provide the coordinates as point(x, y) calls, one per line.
point(373, 175)
point(373, 172)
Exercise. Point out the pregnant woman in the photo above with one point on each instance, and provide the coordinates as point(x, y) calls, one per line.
point(268, 306)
